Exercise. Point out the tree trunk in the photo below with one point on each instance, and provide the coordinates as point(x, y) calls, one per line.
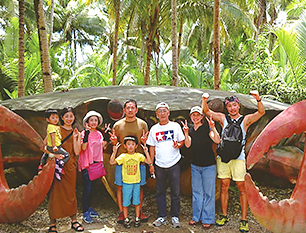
point(216, 44)
point(174, 43)
point(147, 69)
point(21, 49)
point(116, 41)
point(154, 14)
point(51, 22)
point(179, 41)
point(261, 18)
point(43, 45)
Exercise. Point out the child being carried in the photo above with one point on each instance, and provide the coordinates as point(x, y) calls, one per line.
point(54, 143)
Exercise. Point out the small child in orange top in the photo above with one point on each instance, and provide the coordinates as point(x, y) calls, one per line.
point(130, 175)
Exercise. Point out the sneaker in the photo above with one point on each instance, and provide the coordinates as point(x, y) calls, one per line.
point(222, 220)
point(93, 213)
point(127, 223)
point(137, 222)
point(160, 221)
point(143, 217)
point(120, 218)
point(175, 222)
point(244, 226)
point(87, 218)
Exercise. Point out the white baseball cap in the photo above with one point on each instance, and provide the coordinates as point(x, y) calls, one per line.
point(162, 105)
point(196, 109)
point(93, 113)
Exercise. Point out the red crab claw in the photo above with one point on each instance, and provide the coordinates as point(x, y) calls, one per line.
point(19, 203)
point(288, 215)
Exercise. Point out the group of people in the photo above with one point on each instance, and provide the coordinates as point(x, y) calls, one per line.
point(130, 138)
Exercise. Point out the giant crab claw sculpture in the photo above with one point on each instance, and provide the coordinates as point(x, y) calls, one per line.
point(288, 215)
point(19, 203)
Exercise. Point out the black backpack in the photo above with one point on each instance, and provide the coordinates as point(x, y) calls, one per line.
point(231, 140)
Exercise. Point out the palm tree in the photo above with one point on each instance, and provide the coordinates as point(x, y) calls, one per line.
point(75, 26)
point(43, 45)
point(114, 6)
point(152, 33)
point(174, 43)
point(21, 49)
point(117, 4)
point(216, 44)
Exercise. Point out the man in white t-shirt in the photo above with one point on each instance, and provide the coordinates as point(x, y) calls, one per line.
point(165, 139)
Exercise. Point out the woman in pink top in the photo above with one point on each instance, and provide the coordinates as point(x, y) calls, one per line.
point(91, 152)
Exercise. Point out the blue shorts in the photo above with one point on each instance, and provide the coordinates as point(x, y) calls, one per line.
point(129, 191)
point(118, 175)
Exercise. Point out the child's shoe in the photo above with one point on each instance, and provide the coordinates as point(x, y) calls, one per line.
point(127, 223)
point(87, 218)
point(120, 218)
point(137, 222)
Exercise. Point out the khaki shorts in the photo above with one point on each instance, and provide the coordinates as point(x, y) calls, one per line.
point(234, 169)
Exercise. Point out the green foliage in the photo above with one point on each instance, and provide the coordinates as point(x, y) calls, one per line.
point(272, 60)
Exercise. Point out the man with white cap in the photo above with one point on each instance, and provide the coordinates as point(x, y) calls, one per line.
point(165, 139)
point(234, 169)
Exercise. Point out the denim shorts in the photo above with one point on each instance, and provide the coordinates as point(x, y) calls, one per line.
point(129, 191)
point(118, 175)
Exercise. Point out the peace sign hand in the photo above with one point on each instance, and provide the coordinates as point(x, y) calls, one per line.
point(144, 137)
point(115, 147)
point(185, 126)
point(113, 138)
point(145, 148)
point(107, 127)
point(210, 122)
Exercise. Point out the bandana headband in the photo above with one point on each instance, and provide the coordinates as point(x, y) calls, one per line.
point(231, 99)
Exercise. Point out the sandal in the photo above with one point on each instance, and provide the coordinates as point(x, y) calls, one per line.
point(206, 226)
point(52, 229)
point(75, 225)
point(193, 223)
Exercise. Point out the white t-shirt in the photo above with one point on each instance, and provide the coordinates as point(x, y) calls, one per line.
point(162, 137)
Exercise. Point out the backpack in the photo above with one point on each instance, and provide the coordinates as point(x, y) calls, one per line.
point(231, 140)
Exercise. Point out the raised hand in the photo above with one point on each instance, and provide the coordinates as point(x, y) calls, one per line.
point(115, 147)
point(145, 148)
point(185, 126)
point(255, 94)
point(113, 138)
point(107, 127)
point(205, 96)
point(210, 122)
point(144, 137)
point(75, 133)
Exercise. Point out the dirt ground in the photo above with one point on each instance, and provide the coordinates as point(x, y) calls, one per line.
point(108, 211)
